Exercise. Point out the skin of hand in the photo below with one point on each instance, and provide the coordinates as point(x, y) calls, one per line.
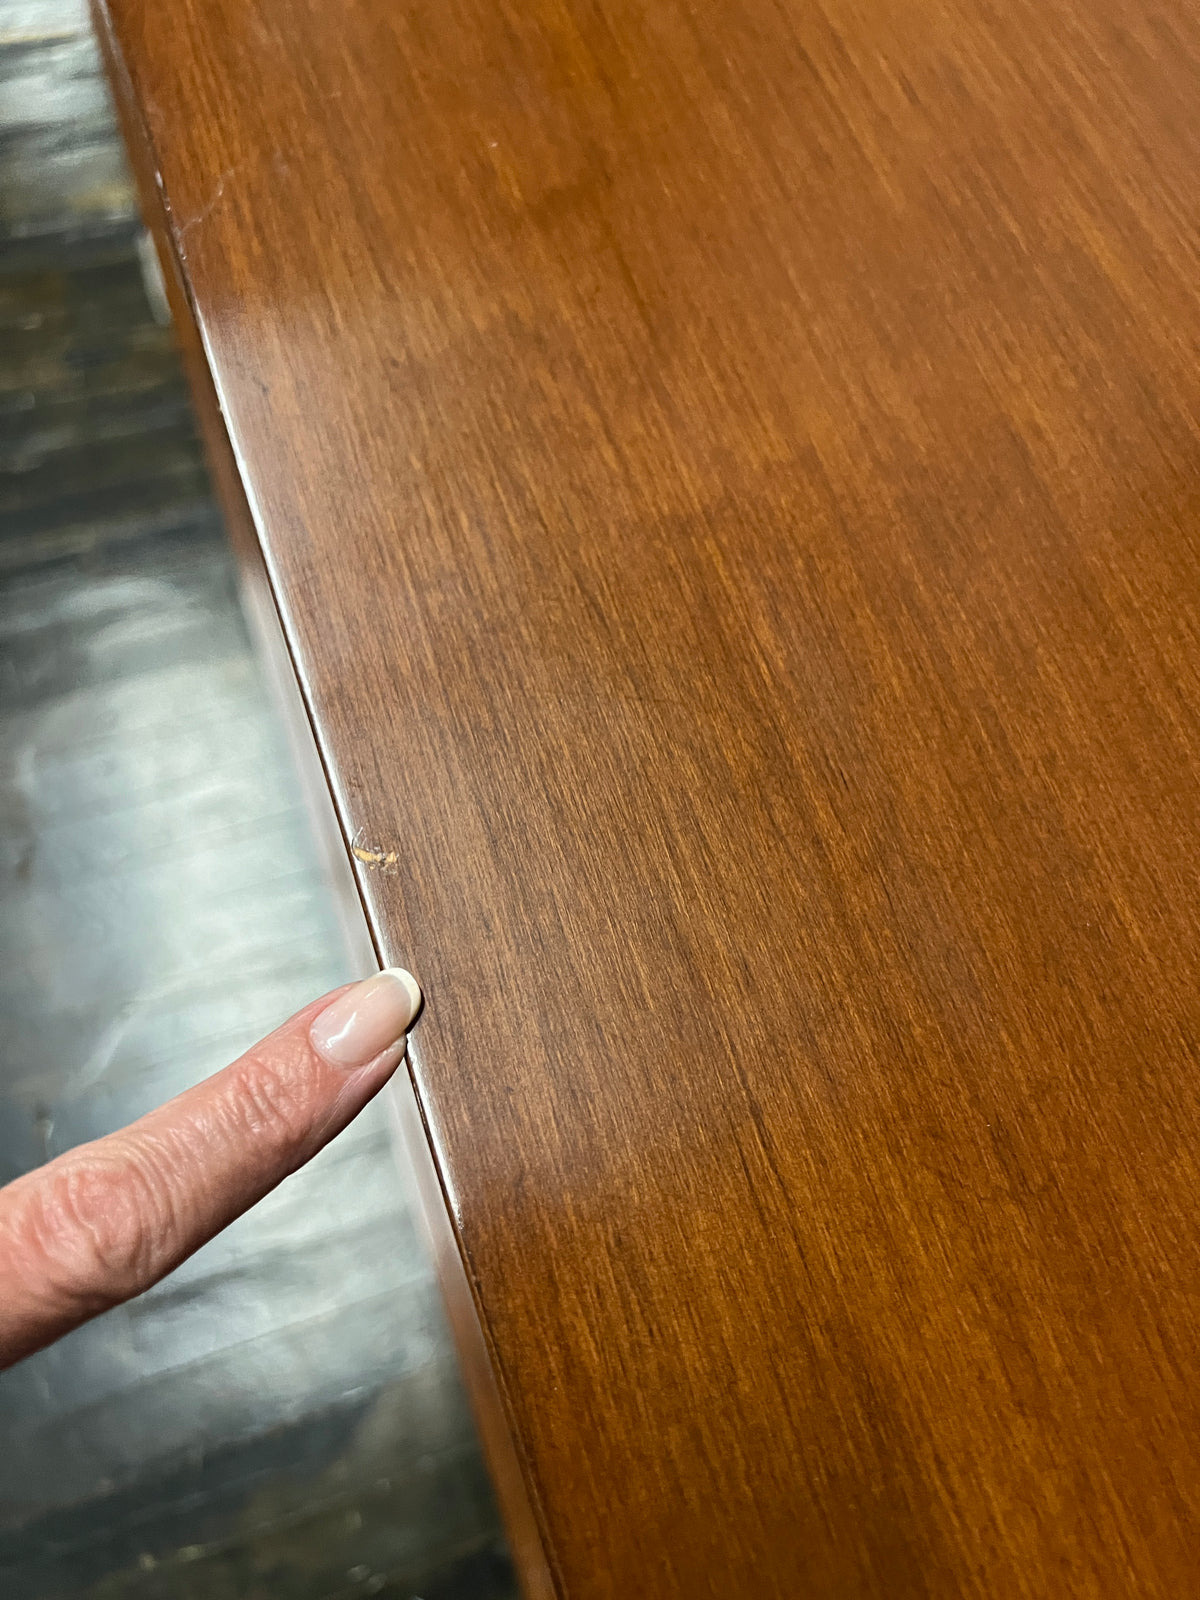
point(108, 1219)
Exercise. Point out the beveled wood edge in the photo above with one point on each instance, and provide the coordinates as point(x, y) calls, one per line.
point(514, 1493)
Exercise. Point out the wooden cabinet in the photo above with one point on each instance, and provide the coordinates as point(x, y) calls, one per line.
point(729, 476)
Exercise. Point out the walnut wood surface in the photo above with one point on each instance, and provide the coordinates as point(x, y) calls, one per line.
point(730, 477)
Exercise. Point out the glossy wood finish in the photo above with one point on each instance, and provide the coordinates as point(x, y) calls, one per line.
point(403, 1110)
point(729, 477)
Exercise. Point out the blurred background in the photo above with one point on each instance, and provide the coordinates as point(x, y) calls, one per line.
point(283, 1417)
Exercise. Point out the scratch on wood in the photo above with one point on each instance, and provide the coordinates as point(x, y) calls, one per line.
point(378, 860)
point(206, 211)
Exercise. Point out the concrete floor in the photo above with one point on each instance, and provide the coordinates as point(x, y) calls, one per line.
point(283, 1417)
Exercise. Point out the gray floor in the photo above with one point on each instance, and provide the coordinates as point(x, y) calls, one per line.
point(283, 1417)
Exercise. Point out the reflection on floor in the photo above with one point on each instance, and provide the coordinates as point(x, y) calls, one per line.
point(283, 1417)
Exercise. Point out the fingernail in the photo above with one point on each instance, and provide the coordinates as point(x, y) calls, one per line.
point(366, 1020)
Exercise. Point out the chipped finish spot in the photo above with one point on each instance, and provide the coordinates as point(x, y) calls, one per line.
point(376, 859)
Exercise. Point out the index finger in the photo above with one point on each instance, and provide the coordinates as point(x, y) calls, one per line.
point(108, 1219)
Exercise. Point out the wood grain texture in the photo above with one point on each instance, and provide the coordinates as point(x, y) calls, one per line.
point(261, 612)
point(729, 476)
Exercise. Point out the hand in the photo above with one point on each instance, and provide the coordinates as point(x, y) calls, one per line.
point(106, 1220)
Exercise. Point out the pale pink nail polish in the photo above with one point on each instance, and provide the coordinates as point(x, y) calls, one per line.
point(366, 1020)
